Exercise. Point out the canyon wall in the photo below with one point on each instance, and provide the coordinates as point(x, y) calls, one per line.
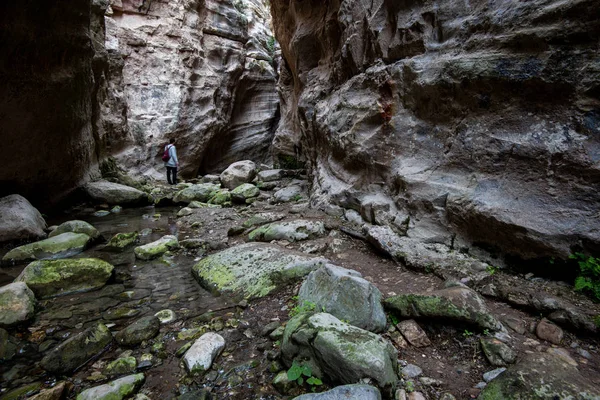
point(47, 90)
point(456, 122)
point(201, 72)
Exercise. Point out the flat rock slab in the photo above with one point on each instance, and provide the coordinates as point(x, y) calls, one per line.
point(203, 352)
point(339, 352)
point(346, 392)
point(287, 194)
point(415, 335)
point(17, 304)
point(49, 278)
point(60, 246)
point(346, 295)
point(76, 226)
point(496, 352)
point(119, 389)
point(292, 231)
point(157, 248)
point(115, 194)
point(541, 376)
point(457, 303)
point(20, 220)
point(253, 269)
point(77, 350)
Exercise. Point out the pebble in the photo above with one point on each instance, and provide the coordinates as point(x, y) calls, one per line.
point(584, 353)
point(493, 374)
point(480, 385)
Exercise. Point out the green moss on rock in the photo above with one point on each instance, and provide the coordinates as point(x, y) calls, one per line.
point(76, 226)
point(60, 246)
point(156, 249)
point(48, 278)
point(122, 240)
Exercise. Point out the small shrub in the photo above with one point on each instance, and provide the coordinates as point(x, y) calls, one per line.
point(467, 333)
point(588, 280)
point(301, 373)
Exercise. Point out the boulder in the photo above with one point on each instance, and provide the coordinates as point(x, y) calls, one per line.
point(340, 352)
point(156, 248)
point(20, 220)
point(77, 350)
point(115, 194)
point(76, 226)
point(292, 231)
point(497, 353)
point(17, 304)
point(238, 173)
point(540, 376)
point(143, 329)
point(203, 352)
point(546, 330)
point(253, 269)
point(221, 197)
point(346, 392)
point(202, 193)
point(415, 335)
point(287, 194)
point(60, 246)
point(270, 175)
point(122, 240)
point(119, 389)
point(49, 278)
point(244, 192)
point(121, 366)
point(346, 295)
point(457, 303)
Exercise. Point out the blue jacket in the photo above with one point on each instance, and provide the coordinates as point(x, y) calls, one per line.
point(173, 161)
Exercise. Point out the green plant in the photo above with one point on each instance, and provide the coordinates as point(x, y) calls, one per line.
point(596, 320)
point(394, 319)
point(305, 306)
point(486, 332)
point(298, 372)
point(297, 198)
point(491, 270)
point(409, 386)
point(271, 44)
point(588, 280)
point(467, 333)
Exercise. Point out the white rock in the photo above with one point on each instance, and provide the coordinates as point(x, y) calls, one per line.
point(203, 352)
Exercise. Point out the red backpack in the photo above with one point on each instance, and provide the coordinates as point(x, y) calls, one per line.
point(166, 156)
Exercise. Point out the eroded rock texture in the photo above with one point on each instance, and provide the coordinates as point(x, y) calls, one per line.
point(477, 119)
point(201, 72)
point(46, 97)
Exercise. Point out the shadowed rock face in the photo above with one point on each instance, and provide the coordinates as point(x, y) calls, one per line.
point(201, 72)
point(46, 89)
point(477, 119)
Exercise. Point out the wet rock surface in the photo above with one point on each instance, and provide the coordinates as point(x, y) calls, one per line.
point(17, 305)
point(20, 220)
point(438, 355)
point(60, 246)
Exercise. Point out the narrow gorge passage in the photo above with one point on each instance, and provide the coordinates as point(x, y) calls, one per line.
point(375, 199)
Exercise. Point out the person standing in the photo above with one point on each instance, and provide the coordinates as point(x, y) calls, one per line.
point(173, 163)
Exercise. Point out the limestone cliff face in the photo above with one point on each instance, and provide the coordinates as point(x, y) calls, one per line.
point(460, 122)
point(201, 72)
point(46, 97)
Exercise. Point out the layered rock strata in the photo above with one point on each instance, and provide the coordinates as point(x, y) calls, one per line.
point(470, 122)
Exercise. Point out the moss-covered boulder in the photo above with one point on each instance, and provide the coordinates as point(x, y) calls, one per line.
point(292, 231)
point(123, 240)
point(17, 304)
point(346, 295)
point(119, 389)
point(76, 226)
point(202, 193)
point(143, 329)
point(244, 192)
point(221, 198)
point(253, 269)
point(121, 366)
point(339, 352)
point(541, 376)
point(456, 302)
point(77, 350)
point(61, 246)
point(49, 278)
point(157, 248)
